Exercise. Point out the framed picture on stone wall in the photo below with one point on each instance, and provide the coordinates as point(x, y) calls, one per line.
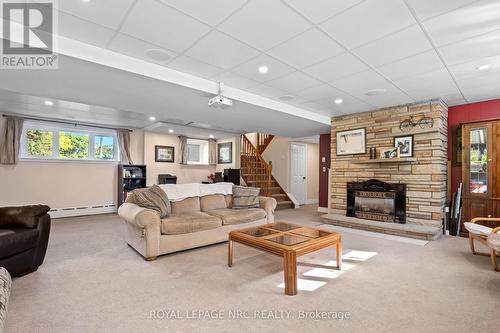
point(351, 142)
point(405, 144)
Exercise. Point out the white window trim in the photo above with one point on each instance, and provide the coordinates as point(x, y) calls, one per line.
point(92, 132)
point(203, 151)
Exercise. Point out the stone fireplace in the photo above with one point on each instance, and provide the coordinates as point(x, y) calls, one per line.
point(403, 196)
point(377, 200)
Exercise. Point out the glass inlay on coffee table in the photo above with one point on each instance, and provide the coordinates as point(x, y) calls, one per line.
point(287, 241)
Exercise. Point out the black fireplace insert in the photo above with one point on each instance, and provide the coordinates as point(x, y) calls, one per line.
point(377, 200)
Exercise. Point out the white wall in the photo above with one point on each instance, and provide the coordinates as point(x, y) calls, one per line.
point(278, 152)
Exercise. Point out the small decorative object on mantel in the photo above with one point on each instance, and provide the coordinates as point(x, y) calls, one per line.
point(164, 154)
point(351, 142)
point(389, 153)
point(225, 153)
point(405, 144)
point(373, 153)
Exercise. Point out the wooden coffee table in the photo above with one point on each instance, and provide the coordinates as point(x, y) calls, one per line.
point(288, 241)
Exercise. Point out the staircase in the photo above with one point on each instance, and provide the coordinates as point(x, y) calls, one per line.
point(256, 172)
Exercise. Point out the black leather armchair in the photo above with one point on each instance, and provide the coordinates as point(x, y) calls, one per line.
point(24, 235)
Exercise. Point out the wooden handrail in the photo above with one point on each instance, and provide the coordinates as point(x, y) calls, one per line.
point(254, 162)
point(263, 140)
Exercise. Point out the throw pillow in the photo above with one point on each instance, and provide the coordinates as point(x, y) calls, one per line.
point(245, 197)
point(153, 198)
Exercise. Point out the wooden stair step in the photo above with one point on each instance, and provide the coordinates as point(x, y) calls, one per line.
point(284, 205)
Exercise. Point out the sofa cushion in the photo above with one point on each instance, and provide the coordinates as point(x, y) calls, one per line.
point(212, 201)
point(188, 205)
point(153, 198)
point(17, 240)
point(229, 200)
point(26, 216)
point(189, 222)
point(245, 197)
point(237, 216)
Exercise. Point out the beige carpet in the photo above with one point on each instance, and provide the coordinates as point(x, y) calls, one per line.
point(91, 281)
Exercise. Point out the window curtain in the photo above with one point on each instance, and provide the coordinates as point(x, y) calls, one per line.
point(212, 152)
point(11, 140)
point(237, 151)
point(124, 144)
point(183, 149)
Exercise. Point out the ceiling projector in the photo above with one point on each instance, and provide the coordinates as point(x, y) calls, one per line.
point(220, 101)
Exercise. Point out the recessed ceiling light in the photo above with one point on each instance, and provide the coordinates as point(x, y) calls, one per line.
point(483, 67)
point(86, 1)
point(158, 55)
point(170, 131)
point(211, 136)
point(152, 118)
point(287, 98)
point(263, 69)
point(339, 101)
point(375, 92)
point(49, 103)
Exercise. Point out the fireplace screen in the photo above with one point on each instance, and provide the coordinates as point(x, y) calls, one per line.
point(379, 206)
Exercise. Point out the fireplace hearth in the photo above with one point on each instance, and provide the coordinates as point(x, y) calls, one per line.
point(377, 200)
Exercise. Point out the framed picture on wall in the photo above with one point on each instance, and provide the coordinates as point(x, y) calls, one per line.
point(164, 154)
point(351, 142)
point(225, 153)
point(392, 152)
point(405, 145)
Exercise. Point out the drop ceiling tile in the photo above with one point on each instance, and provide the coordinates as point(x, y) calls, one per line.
point(264, 24)
point(194, 67)
point(336, 67)
point(429, 85)
point(368, 21)
point(474, 48)
point(321, 92)
point(418, 64)
point(306, 49)
point(250, 69)
point(319, 10)
point(234, 80)
point(83, 31)
point(293, 82)
point(267, 91)
point(392, 97)
point(430, 8)
point(358, 84)
point(479, 18)
point(467, 73)
point(400, 45)
point(453, 99)
point(481, 94)
point(158, 24)
point(106, 13)
point(211, 12)
point(137, 48)
point(354, 106)
point(221, 50)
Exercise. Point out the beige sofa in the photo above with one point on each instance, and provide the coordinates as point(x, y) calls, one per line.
point(194, 222)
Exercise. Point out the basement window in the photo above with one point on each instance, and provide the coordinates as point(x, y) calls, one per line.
point(197, 151)
point(52, 141)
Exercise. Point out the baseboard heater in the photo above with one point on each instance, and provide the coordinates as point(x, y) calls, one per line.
point(82, 211)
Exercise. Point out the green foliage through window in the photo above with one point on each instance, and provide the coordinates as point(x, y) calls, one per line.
point(39, 143)
point(103, 148)
point(73, 145)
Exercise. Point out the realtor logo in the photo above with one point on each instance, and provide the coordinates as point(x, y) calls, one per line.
point(28, 34)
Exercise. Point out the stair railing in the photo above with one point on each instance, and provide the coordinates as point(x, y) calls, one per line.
point(257, 169)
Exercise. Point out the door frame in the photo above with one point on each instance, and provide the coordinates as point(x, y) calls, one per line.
point(306, 171)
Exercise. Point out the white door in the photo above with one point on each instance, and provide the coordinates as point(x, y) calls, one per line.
point(299, 172)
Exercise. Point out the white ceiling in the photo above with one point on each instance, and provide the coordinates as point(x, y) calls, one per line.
point(316, 50)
